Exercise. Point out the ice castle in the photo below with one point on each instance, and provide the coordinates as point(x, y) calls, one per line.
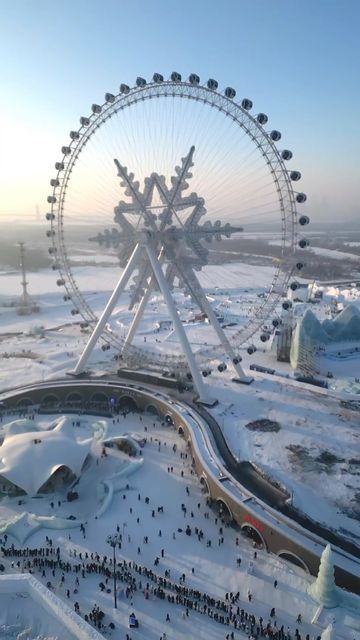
point(311, 336)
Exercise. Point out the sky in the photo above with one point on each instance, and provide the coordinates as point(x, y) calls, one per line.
point(298, 61)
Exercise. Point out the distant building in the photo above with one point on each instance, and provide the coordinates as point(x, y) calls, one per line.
point(301, 294)
point(311, 337)
point(164, 325)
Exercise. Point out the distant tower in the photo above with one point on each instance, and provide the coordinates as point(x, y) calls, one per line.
point(37, 213)
point(24, 298)
point(25, 306)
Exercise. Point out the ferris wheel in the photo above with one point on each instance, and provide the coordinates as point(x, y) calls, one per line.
point(162, 186)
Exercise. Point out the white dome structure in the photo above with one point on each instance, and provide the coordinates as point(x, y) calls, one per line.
point(29, 458)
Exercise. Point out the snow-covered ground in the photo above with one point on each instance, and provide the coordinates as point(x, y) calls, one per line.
point(167, 480)
point(334, 254)
point(30, 611)
point(234, 274)
point(311, 424)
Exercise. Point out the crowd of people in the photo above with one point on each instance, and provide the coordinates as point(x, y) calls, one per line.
point(65, 575)
point(139, 579)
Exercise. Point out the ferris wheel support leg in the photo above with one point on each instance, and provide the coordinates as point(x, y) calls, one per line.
point(207, 308)
point(107, 311)
point(137, 317)
point(199, 295)
point(141, 308)
point(204, 396)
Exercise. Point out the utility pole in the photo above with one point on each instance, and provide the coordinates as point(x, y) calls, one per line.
point(113, 541)
point(24, 300)
point(25, 305)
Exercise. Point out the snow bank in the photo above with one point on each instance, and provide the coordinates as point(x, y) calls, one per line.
point(48, 601)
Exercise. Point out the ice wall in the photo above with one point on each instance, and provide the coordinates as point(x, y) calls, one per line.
point(310, 334)
point(34, 597)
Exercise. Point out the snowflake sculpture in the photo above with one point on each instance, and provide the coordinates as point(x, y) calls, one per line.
point(176, 238)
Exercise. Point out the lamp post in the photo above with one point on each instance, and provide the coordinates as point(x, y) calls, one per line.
point(113, 541)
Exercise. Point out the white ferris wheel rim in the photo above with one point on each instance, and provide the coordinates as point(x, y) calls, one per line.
point(259, 136)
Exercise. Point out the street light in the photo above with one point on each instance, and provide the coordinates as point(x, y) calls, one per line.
point(113, 541)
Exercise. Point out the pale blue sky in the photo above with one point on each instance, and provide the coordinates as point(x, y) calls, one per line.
point(298, 61)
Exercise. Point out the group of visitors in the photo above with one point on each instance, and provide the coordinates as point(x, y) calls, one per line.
point(135, 579)
point(140, 579)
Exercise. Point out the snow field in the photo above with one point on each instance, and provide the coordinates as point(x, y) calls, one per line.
point(309, 420)
point(215, 569)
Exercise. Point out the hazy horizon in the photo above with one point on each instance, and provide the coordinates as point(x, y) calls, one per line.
point(43, 224)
